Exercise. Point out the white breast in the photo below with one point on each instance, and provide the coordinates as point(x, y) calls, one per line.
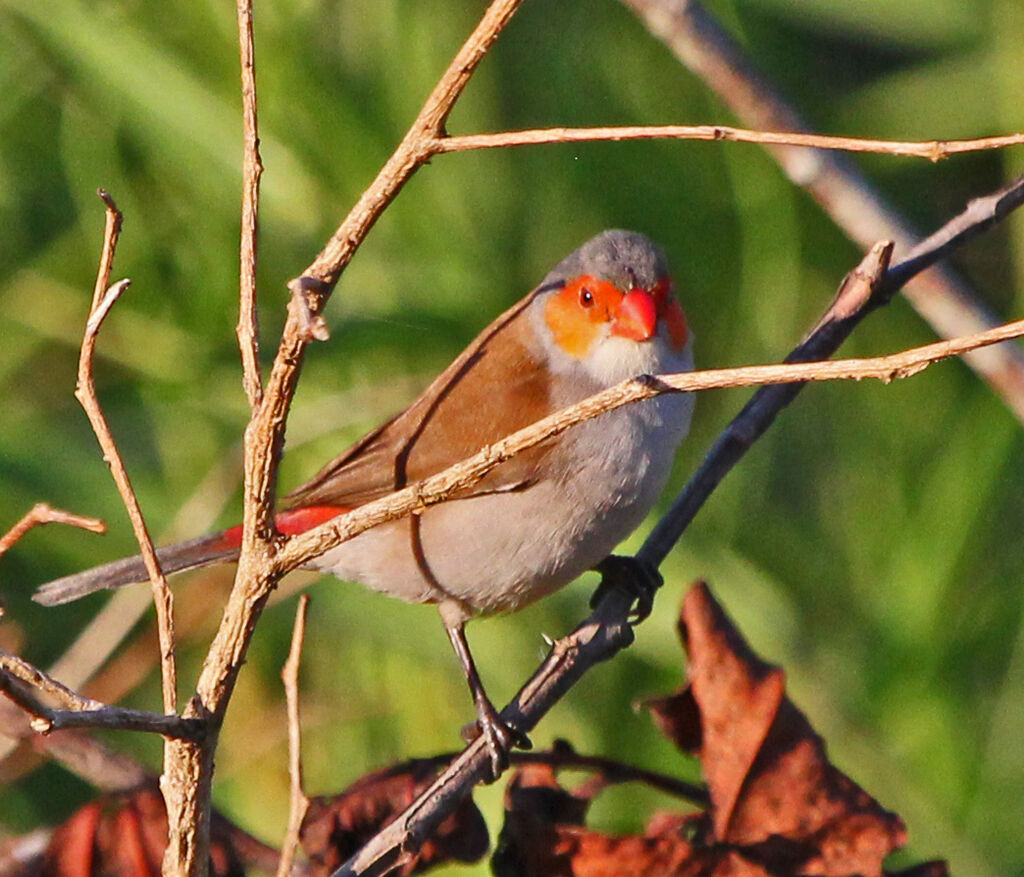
point(497, 552)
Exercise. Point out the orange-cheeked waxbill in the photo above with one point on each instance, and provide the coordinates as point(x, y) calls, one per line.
point(605, 313)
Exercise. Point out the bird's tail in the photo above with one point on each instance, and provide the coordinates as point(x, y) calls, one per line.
point(220, 547)
point(129, 570)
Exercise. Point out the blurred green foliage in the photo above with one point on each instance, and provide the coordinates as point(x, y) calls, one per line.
point(870, 543)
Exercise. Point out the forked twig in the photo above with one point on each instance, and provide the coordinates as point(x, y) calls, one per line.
point(42, 513)
point(85, 393)
point(187, 780)
point(19, 680)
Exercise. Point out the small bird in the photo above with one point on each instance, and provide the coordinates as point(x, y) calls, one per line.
point(605, 313)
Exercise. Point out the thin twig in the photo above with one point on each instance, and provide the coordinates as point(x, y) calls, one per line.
point(612, 771)
point(854, 301)
point(40, 514)
point(298, 802)
point(188, 773)
point(85, 392)
point(17, 677)
point(933, 150)
point(608, 630)
point(843, 192)
point(19, 668)
point(252, 169)
point(111, 232)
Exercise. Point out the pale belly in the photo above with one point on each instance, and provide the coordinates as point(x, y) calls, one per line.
point(496, 552)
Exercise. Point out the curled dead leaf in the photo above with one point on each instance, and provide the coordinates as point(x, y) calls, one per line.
point(124, 835)
point(336, 827)
point(544, 836)
point(774, 793)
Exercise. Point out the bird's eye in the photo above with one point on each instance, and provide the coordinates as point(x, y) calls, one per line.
point(586, 297)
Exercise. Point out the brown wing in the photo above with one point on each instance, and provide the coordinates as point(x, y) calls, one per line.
point(494, 387)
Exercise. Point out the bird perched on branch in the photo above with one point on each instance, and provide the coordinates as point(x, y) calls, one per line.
point(605, 313)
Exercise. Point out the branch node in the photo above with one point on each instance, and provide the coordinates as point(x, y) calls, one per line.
point(41, 725)
point(307, 297)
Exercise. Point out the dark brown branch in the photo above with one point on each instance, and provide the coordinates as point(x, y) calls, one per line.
point(47, 719)
point(607, 630)
point(612, 771)
point(846, 312)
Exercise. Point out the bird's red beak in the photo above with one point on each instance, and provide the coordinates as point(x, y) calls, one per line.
point(636, 317)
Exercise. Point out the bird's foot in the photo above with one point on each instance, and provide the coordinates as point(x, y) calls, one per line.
point(500, 736)
point(638, 578)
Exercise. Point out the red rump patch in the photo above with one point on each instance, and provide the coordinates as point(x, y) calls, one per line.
point(290, 523)
point(300, 520)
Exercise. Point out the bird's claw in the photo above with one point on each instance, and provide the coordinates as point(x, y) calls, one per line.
point(638, 578)
point(500, 736)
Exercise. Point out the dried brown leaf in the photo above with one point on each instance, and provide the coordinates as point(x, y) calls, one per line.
point(774, 793)
point(543, 836)
point(336, 827)
point(124, 835)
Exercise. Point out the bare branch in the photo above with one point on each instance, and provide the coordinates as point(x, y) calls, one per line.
point(613, 772)
point(298, 802)
point(608, 630)
point(849, 308)
point(19, 668)
point(78, 711)
point(252, 169)
point(941, 297)
point(933, 150)
point(85, 392)
point(187, 780)
point(111, 232)
point(40, 514)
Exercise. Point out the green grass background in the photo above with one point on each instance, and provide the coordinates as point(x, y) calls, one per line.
point(871, 543)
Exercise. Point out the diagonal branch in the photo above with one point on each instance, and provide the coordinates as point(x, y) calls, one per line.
point(941, 297)
point(187, 783)
point(19, 680)
point(851, 305)
point(608, 630)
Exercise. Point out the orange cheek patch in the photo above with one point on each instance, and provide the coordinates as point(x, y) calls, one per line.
point(575, 325)
point(569, 328)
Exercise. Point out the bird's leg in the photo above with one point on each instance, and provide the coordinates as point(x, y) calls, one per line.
point(500, 737)
point(639, 578)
